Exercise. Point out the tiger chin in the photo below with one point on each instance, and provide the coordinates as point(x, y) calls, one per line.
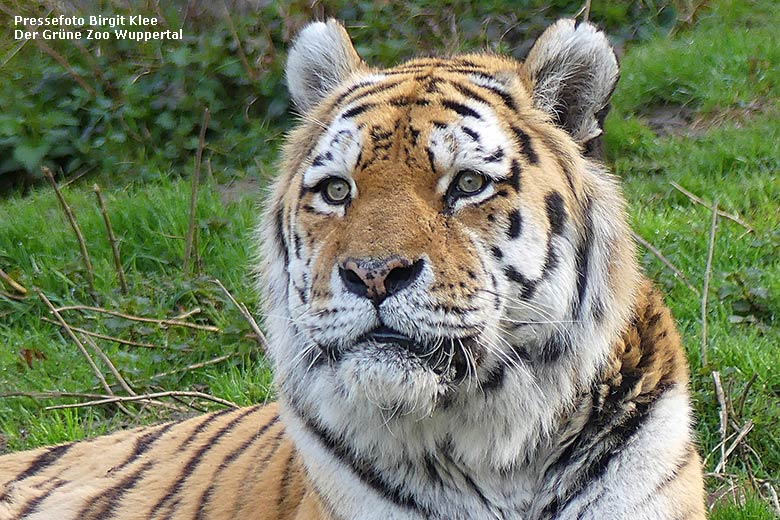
point(456, 319)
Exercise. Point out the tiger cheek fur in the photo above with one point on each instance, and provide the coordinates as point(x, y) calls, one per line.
point(456, 319)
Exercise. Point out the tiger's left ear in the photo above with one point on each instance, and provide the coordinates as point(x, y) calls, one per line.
point(321, 58)
point(572, 70)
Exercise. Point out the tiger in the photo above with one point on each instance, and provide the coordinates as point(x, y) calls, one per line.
point(456, 318)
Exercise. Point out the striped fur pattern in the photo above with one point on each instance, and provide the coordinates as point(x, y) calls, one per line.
point(457, 322)
point(231, 464)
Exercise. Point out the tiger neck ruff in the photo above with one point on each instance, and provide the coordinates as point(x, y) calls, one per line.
point(456, 319)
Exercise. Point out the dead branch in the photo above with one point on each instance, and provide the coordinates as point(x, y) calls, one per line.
point(10, 296)
point(114, 339)
point(721, 213)
point(83, 350)
point(723, 413)
point(53, 395)
point(160, 322)
point(187, 314)
point(258, 334)
point(584, 11)
point(72, 220)
point(145, 397)
point(120, 272)
point(16, 286)
point(102, 355)
point(191, 238)
point(740, 436)
point(773, 494)
point(194, 366)
point(64, 62)
point(705, 290)
point(677, 273)
point(251, 74)
point(742, 398)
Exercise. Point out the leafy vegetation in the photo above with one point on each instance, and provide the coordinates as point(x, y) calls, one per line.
point(696, 105)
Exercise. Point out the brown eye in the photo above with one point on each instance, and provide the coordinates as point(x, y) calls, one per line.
point(335, 191)
point(470, 183)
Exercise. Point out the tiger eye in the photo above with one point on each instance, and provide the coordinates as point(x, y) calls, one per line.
point(336, 191)
point(470, 182)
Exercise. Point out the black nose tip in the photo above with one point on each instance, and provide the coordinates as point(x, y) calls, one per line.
point(378, 279)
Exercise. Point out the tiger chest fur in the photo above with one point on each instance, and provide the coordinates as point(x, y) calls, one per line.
point(456, 319)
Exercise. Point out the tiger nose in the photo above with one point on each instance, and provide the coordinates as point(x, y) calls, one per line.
point(378, 279)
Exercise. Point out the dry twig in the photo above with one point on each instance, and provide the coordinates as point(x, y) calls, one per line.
point(72, 220)
point(194, 366)
point(16, 286)
point(773, 494)
point(723, 413)
point(721, 213)
point(53, 395)
point(677, 273)
point(102, 355)
point(189, 250)
point(160, 322)
point(81, 347)
point(145, 397)
point(584, 11)
point(112, 338)
point(741, 403)
point(120, 272)
point(705, 290)
point(740, 436)
point(258, 334)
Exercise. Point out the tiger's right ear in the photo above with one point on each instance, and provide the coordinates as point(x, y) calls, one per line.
point(320, 59)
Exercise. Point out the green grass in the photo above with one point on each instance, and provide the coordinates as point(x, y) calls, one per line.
point(722, 72)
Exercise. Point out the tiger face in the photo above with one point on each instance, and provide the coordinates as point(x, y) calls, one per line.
point(439, 246)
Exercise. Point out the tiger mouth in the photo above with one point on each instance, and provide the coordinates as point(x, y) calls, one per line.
point(446, 357)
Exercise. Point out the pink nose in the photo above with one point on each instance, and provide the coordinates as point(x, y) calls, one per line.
point(378, 279)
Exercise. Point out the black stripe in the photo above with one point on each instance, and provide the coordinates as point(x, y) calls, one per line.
point(202, 426)
point(554, 348)
point(471, 133)
point(556, 212)
point(582, 260)
point(514, 175)
point(592, 460)
point(205, 498)
point(279, 221)
point(143, 443)
point(363, 468)
point(469, 93)
point(285, 481)
point(460, 109)
point(506, 98)
point(195, 460)
point(496, 156)
point(365, 89)
point(515, 224)
point(31, 506)
point(354, 111)
point(495, 378)
point(44, 460)
point(109, 499)
point(466, 477)
point(526, 147)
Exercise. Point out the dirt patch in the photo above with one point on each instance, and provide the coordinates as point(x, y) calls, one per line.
point(679, 120)
point(238, 189)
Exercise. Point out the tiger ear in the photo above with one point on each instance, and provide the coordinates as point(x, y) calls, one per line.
point(573, 70)
point(320, 59)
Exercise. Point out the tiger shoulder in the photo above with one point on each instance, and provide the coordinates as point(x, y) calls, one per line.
point(457, 322)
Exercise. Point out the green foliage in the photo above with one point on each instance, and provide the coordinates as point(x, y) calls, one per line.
point(128, 110)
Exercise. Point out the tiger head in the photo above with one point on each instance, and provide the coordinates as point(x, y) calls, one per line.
point(441, 255)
